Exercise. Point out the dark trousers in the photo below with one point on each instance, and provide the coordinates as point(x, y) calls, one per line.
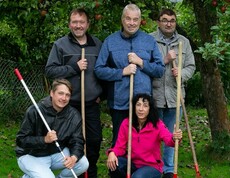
point(117, 117)
point(121, 170)
point(142, 172)
point(93, 136)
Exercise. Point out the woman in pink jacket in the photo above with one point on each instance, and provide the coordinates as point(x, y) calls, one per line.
point(148, 131)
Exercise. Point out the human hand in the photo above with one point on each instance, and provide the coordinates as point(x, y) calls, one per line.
point(83, 64)
point(134, 59)
point(171, 55)
point(112, 161)
point(98, 100)
point(51, 136)
point(130, 69)
point(177, 134)
point(70, 161)
point(175, 71)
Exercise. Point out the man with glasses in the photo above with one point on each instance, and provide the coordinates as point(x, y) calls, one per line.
point(164, 89)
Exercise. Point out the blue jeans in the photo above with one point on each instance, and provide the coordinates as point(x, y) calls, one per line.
point(41, 167)
point(168, 115)
point(143, 172)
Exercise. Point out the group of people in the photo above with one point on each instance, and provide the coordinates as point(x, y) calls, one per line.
point(107, 67)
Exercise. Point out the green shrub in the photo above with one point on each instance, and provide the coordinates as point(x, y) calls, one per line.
point(194, 96)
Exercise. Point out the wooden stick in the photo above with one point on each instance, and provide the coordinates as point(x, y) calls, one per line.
point(196, 166)
point(83, 104)
point(178, 107)
point(130, 126)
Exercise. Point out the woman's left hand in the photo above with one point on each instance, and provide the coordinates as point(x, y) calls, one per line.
point(177, 134)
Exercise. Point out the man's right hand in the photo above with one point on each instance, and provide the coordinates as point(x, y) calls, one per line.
point(51, 137)
point(170, 56)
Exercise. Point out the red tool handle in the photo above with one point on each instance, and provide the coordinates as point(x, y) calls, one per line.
point(17, 73)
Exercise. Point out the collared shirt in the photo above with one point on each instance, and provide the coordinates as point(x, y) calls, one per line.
point(165, 39)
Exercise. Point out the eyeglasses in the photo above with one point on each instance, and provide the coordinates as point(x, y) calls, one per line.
point(165, 21)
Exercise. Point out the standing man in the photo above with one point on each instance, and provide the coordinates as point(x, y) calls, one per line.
point(65, 61)
point(125, 52)
point(164, 89)
point(37, 154)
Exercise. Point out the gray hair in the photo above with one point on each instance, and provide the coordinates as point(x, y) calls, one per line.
point(132, 7)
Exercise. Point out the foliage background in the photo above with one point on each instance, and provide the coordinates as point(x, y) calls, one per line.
point(29, 28)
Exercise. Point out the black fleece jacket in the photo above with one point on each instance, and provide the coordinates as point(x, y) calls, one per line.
point(62, 63)
point(67, 124)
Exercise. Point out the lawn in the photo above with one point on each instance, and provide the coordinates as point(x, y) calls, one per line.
point(210, 164)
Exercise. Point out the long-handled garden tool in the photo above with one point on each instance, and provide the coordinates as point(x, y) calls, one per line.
point(196, 166)
point(17, 73)
point(178, 108)
point(83, 104)
point(130, 126)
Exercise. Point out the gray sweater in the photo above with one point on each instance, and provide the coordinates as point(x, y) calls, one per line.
point(165, 88)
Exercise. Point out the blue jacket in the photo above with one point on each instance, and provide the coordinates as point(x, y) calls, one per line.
point(113, 58)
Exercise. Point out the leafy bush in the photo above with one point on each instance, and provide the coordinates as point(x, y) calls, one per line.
point(194, 95)
point(223, 140)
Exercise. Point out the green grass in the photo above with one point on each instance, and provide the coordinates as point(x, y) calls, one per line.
point(210, 164)
point(7, 145)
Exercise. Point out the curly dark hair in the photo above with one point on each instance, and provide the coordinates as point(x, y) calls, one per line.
point(153, 114)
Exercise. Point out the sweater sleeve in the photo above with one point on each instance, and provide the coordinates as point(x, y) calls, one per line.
point(26, 137)
point(55, 67)
point(122, 141)
point(155, 67)
point(102, 70)
point(188, 67)
point(165, 135)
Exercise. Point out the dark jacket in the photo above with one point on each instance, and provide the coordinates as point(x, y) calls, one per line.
point(62, 63)
point(67, 124)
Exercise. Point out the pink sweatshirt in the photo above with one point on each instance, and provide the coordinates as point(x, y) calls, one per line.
point(145, 145)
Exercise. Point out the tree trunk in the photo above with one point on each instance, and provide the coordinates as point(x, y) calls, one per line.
point(213, 91)
point(215, 99)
